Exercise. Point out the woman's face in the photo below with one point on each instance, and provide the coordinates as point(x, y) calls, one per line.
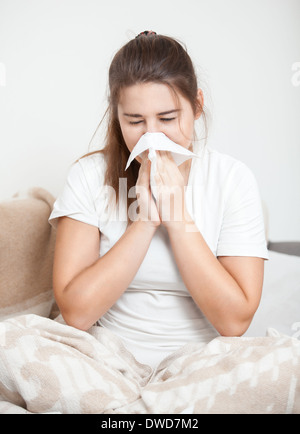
point(151, 107)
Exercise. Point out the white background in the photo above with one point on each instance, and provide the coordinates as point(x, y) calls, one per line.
point(54, 60)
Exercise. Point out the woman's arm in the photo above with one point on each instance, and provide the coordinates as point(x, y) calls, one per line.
point(226, 289)
point(86, 286)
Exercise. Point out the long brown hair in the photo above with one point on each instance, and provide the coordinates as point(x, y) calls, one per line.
point(147, 58)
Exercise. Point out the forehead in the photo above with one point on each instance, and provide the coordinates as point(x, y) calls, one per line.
point(149, 96)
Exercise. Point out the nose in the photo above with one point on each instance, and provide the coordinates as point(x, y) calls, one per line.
point(152, 126)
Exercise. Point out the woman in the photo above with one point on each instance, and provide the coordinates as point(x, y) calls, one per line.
point(159, 282)
point(161, 279)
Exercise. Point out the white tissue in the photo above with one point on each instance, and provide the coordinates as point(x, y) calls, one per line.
point(158, 142)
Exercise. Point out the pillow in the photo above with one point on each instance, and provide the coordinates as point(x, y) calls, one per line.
point(26, 254)
point(280, 303)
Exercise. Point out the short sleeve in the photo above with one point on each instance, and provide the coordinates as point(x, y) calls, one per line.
point(242, 231)
point(76, 200)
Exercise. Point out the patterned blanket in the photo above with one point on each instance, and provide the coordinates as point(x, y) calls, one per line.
point(47, 366)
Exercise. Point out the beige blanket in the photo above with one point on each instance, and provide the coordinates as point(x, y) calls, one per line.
point(47, 366)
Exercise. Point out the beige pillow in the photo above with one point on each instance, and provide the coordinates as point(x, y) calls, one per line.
point(26, 254)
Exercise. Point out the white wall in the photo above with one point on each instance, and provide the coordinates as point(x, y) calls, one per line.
point(54, 59)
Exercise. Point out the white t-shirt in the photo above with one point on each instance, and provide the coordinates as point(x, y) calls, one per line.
point(156, 314)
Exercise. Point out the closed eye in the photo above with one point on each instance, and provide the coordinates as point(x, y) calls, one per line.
point(135, 123)
point(167, 119)
point(161, 119)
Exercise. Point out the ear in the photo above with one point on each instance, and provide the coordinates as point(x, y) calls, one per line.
point(200, 104)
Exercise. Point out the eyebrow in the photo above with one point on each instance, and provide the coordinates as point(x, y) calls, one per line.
point(135, 115)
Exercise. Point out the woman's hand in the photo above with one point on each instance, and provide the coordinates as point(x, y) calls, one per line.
point(147, 211)
point(170, 191)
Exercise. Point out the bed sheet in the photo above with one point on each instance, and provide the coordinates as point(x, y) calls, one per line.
point(280, 303)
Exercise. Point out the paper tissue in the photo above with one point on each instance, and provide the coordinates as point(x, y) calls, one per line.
point(158, 142)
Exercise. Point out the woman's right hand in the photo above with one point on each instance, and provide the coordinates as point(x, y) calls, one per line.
point(147, 210)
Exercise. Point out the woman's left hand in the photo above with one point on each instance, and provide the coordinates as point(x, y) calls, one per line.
point(170, 191)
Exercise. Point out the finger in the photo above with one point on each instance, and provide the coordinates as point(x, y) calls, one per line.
point(165, 160)
point(144, 155)
point(166, 155)
point(144, 172)
point(166, 168)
